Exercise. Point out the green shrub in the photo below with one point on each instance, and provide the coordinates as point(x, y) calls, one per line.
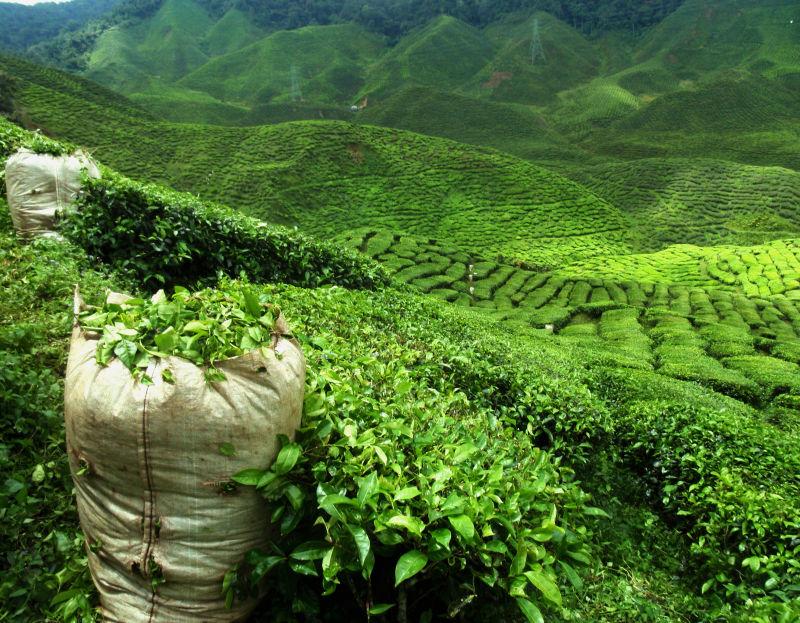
point(774, 376)
point(43, 550)
point(418, 452)
point(166, 238)
point(730, 482)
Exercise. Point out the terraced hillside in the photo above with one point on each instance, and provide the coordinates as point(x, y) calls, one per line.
point(675, 403)
point(700, 201)
point(331, 177)
point(513, 128)
point(477, 201)
point(727, 318)
point(713, 80)
point(327, 63)
point(751, 120)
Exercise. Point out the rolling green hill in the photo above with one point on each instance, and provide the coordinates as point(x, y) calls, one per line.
point(512, 128)
point(445, 54)
point(326, 63)
point(700, 201)
point(514, 76)
point(330, 177)
point(645, 387)
point(712, 80)
point(537, 244)
point(26, 25)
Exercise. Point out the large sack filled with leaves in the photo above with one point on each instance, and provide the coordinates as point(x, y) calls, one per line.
point(40, 185)
point(165, 400)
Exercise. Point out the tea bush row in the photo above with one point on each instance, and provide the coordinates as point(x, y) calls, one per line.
point(166, 238)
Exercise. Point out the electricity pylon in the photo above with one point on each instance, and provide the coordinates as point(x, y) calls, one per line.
point(537, 50)
point(297, 95)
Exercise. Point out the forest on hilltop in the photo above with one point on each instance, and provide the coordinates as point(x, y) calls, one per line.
point(392, 18)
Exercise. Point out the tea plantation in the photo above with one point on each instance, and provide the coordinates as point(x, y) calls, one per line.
point(606, 396)
point(545, 276)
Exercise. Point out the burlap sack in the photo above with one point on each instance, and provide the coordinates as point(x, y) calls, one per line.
point(40, 185)
point(151, 480)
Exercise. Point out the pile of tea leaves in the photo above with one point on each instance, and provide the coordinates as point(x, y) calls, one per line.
point(203, 327)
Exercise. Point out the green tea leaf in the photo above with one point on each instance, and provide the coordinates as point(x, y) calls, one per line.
point(442, 536)
point(362, 543)
point(310, 550)
point(167, 340)
point(125, 350)
point(196, 326)
point(406, 493)
point(248, 476)
point(463, 525)
point(287, 458)
point(464, 451)
point(529, 609)
point(593, 511)
point(547, 587)
point(572, 576)
point(409, 565)
point(367, 487)
point(380, 608)
point(411, 524)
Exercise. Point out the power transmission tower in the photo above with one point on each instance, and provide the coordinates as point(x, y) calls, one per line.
point(537, 50)
point(297, 95)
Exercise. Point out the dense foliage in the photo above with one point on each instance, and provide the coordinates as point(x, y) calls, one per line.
point(7, 84)
point(168, 238)
point(397, 17)
point(203, 327)
point(404, 488)
point(41, 544)
point(419, 418)
point(24, 26)
point(667, 385)
point(392, 18)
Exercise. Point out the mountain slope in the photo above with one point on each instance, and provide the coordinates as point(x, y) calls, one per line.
point(163, 48)
point(711, 80)
point(512, 128)
point(633, 376)
point(566, 58)
point(445, 54)
point(25, 26)
point(327, 63)
point(700, 201)
point(329, 177)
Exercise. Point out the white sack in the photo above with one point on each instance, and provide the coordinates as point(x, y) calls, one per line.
point(151, 487)
point(39, 185)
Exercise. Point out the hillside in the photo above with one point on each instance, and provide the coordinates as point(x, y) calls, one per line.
point(710, 80)
point(512, 128)
point(700, 201)
point(330, 177)
point(25, 26)
point(608, 379)
point(542, 260)
point(369, 180)
point(327, 63)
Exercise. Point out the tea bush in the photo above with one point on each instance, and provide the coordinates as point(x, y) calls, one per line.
point(730, 482)
point(41, 544)
point(167, 238)
point(404, 489)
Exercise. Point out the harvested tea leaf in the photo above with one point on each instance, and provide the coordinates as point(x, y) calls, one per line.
point(203, 327)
